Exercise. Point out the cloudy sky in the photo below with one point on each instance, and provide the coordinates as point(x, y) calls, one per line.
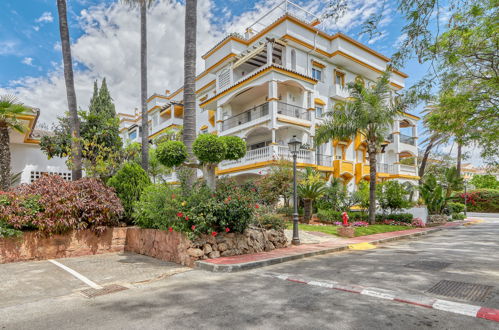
point(105, 43)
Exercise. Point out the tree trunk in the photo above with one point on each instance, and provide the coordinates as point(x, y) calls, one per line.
point(307, 210)
point(70, 89)
point(459, 156)
point(424, 161)
point(4, 158)
point(143, 85)
point(189, 133)
point(372, 184)
point(209, 176)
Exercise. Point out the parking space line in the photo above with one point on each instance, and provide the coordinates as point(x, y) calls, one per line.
point(77, 275)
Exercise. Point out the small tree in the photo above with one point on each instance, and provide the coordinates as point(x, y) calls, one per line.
point(392, 196)
point(433, 195)
point(209, 149)
point(310, 191)
point(129, 182)
point(277, 183)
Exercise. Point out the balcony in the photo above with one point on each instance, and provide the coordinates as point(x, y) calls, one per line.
point(268, 153)
point(338, 91)
point(385, 168)
point(324, 160)
point(361, 171)
point(290, 110)
point(247, 116)
point(343, 168)
point(408, 169)
point(407, 139)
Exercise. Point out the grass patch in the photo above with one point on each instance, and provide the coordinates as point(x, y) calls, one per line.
point(359, 231)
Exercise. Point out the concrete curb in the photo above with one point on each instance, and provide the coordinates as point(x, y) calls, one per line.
point(229, 268)
point(418, 300)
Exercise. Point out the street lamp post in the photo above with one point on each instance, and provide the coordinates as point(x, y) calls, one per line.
point(294, 146)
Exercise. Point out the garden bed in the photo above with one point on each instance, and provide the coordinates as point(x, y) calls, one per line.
point(359, 231)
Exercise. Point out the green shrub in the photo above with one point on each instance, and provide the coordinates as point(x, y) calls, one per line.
point(129, 182)
point(235, 147)
point(171, 153)
point(209, 148)
point(271, 221)
point(157, 207)
point(8, 231)
point(401, 217)
point(454, 207)
point(201, 211)
point(458, 216)
point(480, 200)
point(336, 216)
point(392, 196)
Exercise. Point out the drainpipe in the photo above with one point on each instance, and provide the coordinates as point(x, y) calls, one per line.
point(313, 49)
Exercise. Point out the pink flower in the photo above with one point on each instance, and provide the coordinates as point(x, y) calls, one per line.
point(257, 206)
point(229, 198)
point(193, 227)
point(170, 229)
point(227, 229)
point(180, 214)
point(186, 218)
point(214, 233)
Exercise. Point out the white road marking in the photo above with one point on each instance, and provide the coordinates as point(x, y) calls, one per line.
point(77, 275)
point(458, 308)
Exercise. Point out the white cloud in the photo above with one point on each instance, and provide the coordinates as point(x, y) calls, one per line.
point(28, 61)
point(8, 47)
point(400, 39)
point(36, 28)
point(382, 35)
point(45, 18)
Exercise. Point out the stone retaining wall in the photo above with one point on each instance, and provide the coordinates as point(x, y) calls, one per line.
point(32, 246)
point(160, 244)
point(177, 248)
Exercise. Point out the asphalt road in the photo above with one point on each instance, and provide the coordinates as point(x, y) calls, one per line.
point(251, 300)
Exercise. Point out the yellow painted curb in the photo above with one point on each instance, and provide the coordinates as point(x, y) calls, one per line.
point(362, 246)
point(474, 222)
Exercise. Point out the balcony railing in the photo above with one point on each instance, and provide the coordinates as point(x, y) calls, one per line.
point(385, 168)
point(245, 117)
point(268, 153)
point(292, 111)
point(324, 160)
point(407, 139)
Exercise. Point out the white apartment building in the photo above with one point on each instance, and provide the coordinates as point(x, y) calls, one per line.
point(26, 156)
point(277, 81)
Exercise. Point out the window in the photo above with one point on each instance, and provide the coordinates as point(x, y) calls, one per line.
point(204, 131)
point(132, 135)
point(224, 78)
point(319, 111)
point(317, 74)
point(339, 78)
point(293, 59)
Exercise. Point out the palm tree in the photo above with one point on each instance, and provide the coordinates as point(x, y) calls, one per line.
point(189, 133)
point(70, 89)
point(143, 4)
point(10, 110)
point(370, 112)
point(310, 191)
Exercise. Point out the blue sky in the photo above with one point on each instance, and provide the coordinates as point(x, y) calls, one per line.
point(104, 34)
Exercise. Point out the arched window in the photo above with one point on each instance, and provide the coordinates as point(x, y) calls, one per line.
point(293, 59)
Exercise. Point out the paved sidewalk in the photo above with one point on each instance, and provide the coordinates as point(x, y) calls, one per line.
point(250, 261)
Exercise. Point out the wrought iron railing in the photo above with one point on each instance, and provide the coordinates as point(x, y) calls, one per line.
point(292, 111)
point(407, 139)
point(324, 160)
point(245, 117)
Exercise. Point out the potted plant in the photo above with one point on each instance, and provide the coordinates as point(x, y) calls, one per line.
point(346, 230)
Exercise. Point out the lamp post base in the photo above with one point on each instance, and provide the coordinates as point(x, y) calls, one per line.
point(295, 241)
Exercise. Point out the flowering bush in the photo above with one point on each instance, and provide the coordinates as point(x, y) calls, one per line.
point(418, 222)
point(480, 200)
point(392, 222)
point(229, 209)
point(360, 224)
point(53, 205)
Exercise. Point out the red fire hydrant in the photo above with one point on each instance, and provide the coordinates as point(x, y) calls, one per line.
point(344, 215)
